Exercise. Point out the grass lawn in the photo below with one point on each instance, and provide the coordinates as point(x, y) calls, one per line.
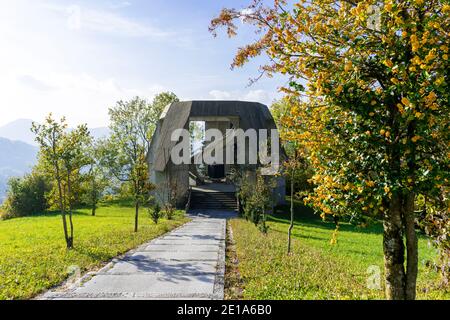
point(33, 256)
point(316, 269)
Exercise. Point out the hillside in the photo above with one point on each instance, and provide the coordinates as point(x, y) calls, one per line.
point(20, 130)
point(16, 159)
point(18, 149)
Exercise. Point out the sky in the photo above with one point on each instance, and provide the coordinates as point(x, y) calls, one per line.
point(77, 58)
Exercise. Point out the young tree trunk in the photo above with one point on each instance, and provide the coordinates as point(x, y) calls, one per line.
point(93, 198)
point(394, 250)
point(411, 248)
point(61, 205)
point(69, 200)
point(291, 225)
point(136, 216)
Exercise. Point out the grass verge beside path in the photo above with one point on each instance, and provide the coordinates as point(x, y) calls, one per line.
point(233, 283)
point(33, 256)
point(316, 269)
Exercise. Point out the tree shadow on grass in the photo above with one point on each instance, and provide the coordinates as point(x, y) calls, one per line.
point(53, 213)
point(301, 235)
point(305, 216)
point(118, 203)
point(85, 210)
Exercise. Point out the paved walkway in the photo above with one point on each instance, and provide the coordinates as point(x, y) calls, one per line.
point(186, 263)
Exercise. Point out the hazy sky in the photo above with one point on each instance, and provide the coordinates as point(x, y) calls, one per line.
point(76, 58)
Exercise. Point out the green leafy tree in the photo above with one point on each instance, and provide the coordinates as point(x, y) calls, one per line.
point(95, 179)
point(297, 170)
point(292, 166)
point(279, 109)
point(132, 126)
point(73, 158)
point(161, 101)
point(62, 156)
point(371, 83)
point(26, 195)
point(49, 136)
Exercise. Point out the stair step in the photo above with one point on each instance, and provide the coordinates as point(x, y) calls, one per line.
point(205, 197)
point(199, 204)
point(213, 200)
point(216, 207)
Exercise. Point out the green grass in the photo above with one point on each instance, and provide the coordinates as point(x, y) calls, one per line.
point(33, 256)
point(316, 269)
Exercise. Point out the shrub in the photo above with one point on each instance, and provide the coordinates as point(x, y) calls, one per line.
point(155, 213)
point(257, 200)
point(26, 195)
point(169, 211)
point(4, 214)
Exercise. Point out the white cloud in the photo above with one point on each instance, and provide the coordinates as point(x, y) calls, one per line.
point(33, 83)
point(258, 95)
point(45, 67)
point(88, 19)
point(80, 97)
point(120, 5)
point(220, 95)
point(113, 23)
point(74, 17)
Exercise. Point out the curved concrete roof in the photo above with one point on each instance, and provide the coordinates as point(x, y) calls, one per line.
point(251, 115)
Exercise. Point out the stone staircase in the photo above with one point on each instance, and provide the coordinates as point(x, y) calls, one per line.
point(213, 200)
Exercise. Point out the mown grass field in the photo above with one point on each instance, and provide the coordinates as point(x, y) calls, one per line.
point(33, 256)
point(316, 269)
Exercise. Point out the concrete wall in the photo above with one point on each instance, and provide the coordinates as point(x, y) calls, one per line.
point(172, 183)
point(177, 176)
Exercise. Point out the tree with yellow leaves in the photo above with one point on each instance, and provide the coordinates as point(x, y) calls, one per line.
point(369, 91)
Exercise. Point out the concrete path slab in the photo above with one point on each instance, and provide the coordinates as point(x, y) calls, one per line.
point(180, 255)
point(179, 247)
point(186, 263)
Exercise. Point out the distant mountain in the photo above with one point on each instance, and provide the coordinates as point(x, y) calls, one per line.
point(100, 132)
point(16, 159)
point(18, 150)
point(20, 130)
